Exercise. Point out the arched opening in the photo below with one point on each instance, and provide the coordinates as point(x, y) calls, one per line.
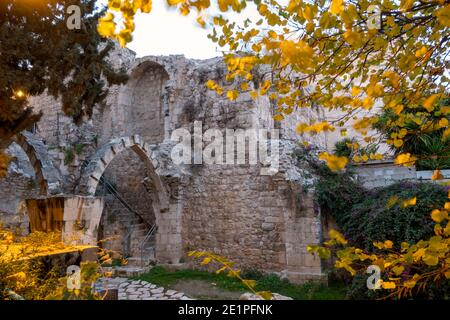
point(30, 175)
point(128, 215)
point(144, 101)
point(129, 221)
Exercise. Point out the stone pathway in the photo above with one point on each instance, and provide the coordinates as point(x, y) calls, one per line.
point(138, 290)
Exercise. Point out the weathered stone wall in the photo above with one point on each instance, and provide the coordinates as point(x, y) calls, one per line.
point(19, 184)
point(261, 222)
point(383, 173)
point(235, 212)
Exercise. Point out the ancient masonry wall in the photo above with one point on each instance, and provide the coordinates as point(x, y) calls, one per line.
point(19, 184)
point(259, 221)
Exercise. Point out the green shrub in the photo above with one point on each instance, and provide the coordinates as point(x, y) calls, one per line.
point(357, 290)
point(69, 156)
point(79, 147)
point(342, 148)
point(371, 219)
point(364, 215)
point(336, 193)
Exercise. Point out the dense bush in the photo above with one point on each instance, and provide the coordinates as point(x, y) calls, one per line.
point(364, 216)
point(357, 290)
point(372, 219)
point(336, 193)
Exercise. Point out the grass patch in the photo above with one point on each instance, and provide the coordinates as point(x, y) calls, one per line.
point(161, 277)
point(309, 291)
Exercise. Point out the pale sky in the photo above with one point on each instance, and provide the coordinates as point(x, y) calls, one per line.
point(164, 32)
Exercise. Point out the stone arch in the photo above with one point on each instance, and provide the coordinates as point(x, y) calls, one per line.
point(47, 175)
point(143, 102)
point(162, 173)
point(101, 159)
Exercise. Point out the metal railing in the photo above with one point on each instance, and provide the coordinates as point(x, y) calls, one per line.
point(111, 189)
point(127, 238)
point(148, 236)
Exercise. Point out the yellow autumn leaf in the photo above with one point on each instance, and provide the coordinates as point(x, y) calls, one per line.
point(256, 47)
point(205, 261)
point(106, 26)
point(146, 6)
point(355, 91)
point(336, 235)
point(266, 295)
point(221, 270)
point(201, 21)
point(308, 13)
point(409, 284)
point(334, 162)
point(398, 270)
point(406, 4)
point(421, 52)
point(232, 94)
point(430, 259)
point(352, 37)
point(278, 117)
point(430, 102)
point(439, 215)
point(388, 244)
point(398, 143)
point(337, 6)
point(443, 15)
point(405, 159)
point(249, 283)
point(211, 84)
point(388, 285)
point(409, 202)
point(392, 201)
point(174, 2)
point(437, 175)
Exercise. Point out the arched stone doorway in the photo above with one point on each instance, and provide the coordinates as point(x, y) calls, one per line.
point(47, 177)
point(31, 174)
point(143, 103)
point(165, 208)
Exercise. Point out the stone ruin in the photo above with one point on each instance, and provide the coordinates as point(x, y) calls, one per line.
point(145, 206)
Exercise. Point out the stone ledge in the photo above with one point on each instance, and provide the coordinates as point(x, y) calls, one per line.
point(303, 277)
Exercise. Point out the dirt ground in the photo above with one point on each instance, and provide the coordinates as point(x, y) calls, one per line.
point(201, 289)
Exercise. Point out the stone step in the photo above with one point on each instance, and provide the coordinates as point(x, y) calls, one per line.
point(137, 262)
point(130, 271)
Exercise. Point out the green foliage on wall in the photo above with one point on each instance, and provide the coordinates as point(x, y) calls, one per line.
point(365, 216)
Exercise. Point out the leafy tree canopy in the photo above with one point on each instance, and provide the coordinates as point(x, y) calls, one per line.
point(39, 52)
